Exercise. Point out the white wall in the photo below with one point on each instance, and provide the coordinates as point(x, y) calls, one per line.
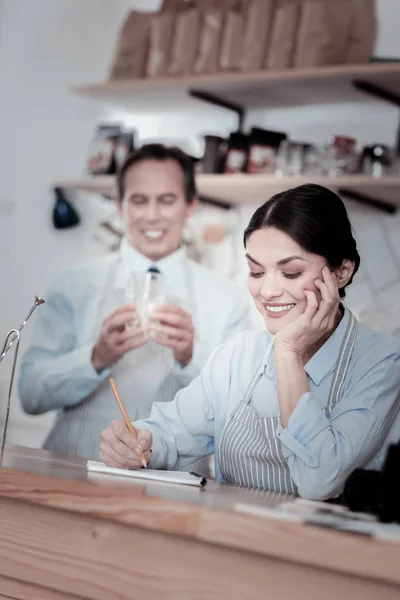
point(47, 45)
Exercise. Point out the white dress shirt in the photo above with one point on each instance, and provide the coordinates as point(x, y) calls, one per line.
point(57, 372)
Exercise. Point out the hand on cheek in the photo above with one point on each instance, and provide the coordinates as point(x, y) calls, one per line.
point(325, 280)
point(316, 320)
point(311, 286)
point(316, 289)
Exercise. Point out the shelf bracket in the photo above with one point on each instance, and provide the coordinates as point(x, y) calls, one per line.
point(382, 205)
point(378, 92)
point(214, 202)
point(217, 101)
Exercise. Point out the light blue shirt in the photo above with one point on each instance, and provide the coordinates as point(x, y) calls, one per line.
point(57, 372)
point(321, 451)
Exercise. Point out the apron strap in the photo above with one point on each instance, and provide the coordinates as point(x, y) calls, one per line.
point(339, 375)
point(342, 362)
point(259, 373)
point(254, 382)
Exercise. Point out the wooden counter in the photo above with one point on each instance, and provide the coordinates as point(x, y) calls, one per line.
point(65, 534)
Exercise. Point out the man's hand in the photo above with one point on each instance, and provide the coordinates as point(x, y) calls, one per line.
point(120, 332)
point(120, 449)
point(171, 326)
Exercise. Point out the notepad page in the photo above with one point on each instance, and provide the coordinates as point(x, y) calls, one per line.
point(179, 477)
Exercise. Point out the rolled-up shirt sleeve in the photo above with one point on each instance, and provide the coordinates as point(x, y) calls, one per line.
point(55, 372)
point(183, 430)
point(186, 374)
point(322, 450)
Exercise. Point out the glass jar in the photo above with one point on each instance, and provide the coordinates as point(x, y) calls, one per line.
point(341, 154)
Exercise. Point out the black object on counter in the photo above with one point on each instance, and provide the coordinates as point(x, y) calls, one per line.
point(377, 492)
point(64, 214)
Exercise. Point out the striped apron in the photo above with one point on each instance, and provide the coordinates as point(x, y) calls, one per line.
point(250, 453)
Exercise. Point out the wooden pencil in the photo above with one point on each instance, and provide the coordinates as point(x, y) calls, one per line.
point(124, 413)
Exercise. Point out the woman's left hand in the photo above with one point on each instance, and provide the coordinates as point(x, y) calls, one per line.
point(316, 321)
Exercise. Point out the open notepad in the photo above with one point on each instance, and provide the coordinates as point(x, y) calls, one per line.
point(151, 474)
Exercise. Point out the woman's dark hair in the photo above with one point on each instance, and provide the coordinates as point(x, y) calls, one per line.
point(315, 218)
point(161, 153)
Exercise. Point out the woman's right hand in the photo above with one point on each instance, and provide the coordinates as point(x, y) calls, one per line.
point(316, 322)
point(120, 449)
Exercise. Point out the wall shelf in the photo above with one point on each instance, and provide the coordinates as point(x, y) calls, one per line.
point(255, 189)
point(266, 89)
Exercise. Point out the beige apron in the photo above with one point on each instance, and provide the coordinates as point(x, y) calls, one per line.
point(144, 376)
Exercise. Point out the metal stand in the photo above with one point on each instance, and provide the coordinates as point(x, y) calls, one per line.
point(13, 336)
point(8, 344)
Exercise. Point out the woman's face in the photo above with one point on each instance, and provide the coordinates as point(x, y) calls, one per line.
point(280, 271)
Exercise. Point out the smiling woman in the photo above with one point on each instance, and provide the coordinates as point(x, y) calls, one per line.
point(297, 407)
point(289, 241)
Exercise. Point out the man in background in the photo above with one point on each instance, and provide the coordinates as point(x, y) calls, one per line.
point(94, 326)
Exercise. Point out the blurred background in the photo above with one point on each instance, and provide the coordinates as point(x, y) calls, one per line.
point(313, 127)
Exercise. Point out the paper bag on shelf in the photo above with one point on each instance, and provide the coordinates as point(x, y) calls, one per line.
point(280, 48)
point(232, 36)
point(363, 31)
point(211, 21)
point(161, 33)
point(185, 40)
point(171, 5)
point(259, 15)
point(130, 55)
point(324, 33)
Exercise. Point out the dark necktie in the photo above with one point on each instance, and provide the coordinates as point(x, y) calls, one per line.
point(153, 269)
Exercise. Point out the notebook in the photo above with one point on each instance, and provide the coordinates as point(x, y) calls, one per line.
point(179, 477)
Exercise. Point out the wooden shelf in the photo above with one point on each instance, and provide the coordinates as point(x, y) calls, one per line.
point(255, 189)
point(290, 87)
point(99, 184)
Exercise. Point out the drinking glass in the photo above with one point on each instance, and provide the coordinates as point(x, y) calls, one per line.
point(147, 290)
point(297, 158)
